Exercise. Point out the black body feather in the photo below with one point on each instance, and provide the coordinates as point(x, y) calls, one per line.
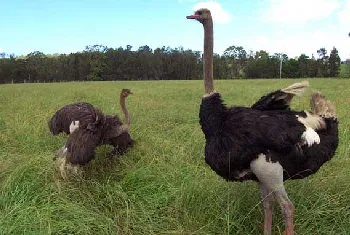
point(85, 113)
point(81, 145)
point(277, 100)
point(236, 136)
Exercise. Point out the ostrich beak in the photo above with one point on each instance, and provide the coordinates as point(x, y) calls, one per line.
point(193, 17)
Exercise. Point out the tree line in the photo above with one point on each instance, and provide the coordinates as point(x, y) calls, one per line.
point(100, 63)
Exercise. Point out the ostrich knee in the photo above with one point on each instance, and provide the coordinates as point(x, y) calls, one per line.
point(287, 211)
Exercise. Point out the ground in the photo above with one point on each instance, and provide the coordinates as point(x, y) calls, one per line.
point(162, 186)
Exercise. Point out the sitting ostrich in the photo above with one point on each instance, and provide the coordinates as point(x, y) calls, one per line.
point(267, 142)
point(87, 128)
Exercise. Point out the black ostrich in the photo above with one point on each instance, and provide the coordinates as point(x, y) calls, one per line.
point(87, 128)
point(268, 142)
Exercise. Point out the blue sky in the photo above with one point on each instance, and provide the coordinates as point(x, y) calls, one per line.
point(63, 26)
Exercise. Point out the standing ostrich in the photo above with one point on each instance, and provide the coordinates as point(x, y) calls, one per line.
point(88, 127)
point(266, 143)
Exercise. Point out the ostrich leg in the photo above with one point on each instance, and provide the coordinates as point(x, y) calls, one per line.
point(287, 209)
point(63, 150)
point(267, 198)
point(270, 175)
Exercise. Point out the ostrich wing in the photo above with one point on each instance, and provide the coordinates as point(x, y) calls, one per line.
point(280, 99)
point(81, 145)
point(277, 130)
point(85, 113)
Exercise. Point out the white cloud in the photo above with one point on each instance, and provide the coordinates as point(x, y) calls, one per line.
point(304, 26)
point(295, 43)
point(343, 28)
point(218, 14)
point(1, 50)
point(297, 11)
point(344, 14)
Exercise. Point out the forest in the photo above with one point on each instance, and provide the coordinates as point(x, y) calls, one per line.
point(101, 63)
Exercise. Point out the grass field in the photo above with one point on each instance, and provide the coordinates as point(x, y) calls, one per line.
point(162, 186)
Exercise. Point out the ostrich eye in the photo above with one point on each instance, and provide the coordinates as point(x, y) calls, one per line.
point(199, 12)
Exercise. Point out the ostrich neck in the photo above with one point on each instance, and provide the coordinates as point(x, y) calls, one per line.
point(212, 110)
point(125, 110)
point(208, 76)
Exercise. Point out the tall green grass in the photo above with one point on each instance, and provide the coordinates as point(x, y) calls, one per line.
point(161, 186)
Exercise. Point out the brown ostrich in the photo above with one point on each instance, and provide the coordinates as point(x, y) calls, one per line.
point(114, 126)
point(268, 142)
point(87, 128)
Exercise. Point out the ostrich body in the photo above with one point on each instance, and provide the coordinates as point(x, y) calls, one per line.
point(87, 115)
point(268, 142)
point(87, 128)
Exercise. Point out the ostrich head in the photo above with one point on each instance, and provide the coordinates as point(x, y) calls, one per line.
point(202, 15)
point(125, 93)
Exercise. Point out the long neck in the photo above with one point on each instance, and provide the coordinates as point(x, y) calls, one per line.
point(208, 76)
point(125, 110)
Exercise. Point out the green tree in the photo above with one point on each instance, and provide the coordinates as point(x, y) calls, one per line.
point(312, 67)
point(35, 68)
point(96, 55)
point(334, 63)
point(291, 69)
point(262, 66)
point(303, 62)
point(322, 63)
point(236, 58)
